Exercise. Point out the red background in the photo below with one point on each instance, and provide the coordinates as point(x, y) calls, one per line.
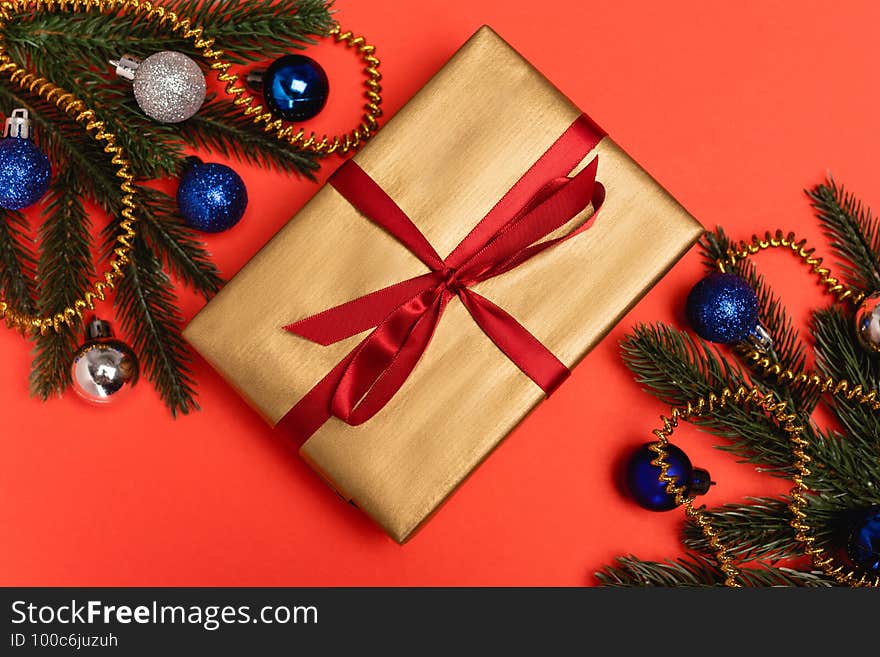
point(734, 107)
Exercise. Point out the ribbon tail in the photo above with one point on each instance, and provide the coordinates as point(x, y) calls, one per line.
point(371, 201)
point(533, 250)
point(313, 410)
point(567, 200)
point(358, 315)
point(524, 349)
point(559, 160)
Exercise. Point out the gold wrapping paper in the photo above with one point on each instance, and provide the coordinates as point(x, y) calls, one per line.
point(446, 159)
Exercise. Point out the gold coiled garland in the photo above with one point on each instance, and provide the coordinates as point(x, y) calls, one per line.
point(743, 250)
point(86, 116)
point(777, 411)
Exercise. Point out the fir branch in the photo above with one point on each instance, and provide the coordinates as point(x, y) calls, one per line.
point(177, 245)
point(17, 261)
point(845, 468)
point(676, 369)
point(853, 231)
point(64, 269)
point(221, 127)
point(145, 299)
point(698, 571)
point(760, 529)
point(247, 30)
point(147, 308)
point(262, 26)
point(50, 368)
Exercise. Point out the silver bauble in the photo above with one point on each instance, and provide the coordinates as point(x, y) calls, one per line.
point(103, 368)
point(868, 323)
point(168, 85)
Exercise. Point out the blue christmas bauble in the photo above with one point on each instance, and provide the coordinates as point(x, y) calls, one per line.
point(864, 544)
point(722, 308)
point(295, 87)
point(643, 478)
point(211, 197)
point(25, 173)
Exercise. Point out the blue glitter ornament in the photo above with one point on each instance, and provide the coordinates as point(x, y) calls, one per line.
point(864, 544)
point(295, 87)
point(211, 197)
point(25, 171)
point(643, 479)
point(723, 308)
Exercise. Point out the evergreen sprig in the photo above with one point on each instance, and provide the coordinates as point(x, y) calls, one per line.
point(698, 571)
point(220, 127)
point(147, 307)
point(247, 30)
point(844, 477)
point(17, 261)
point(756, 529)
point(676, 368)
point(65, 267)
point(73, 50)
point(182, 253)
point(854, 233)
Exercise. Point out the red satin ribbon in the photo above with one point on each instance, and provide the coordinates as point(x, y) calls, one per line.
point(403, 316)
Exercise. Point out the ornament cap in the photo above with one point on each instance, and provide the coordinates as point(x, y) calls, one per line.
point(126, 66)
point(18, 124)
point(98, 329)
point(254, 79)
point(191, 161)
point(701, 482)
point(760, 339)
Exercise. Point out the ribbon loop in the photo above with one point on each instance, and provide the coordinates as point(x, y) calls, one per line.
point(382, 362)
point(404, 316)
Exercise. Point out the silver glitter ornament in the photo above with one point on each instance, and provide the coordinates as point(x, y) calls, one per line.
point(103, 368)
point(168, 86)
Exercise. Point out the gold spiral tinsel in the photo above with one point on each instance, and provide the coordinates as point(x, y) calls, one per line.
point(778, 239)
point(86, 116)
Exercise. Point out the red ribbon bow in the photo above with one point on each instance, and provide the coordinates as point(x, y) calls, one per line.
point(405, 315)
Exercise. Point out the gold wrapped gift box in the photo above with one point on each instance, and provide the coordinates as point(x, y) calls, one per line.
point(447, 157)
